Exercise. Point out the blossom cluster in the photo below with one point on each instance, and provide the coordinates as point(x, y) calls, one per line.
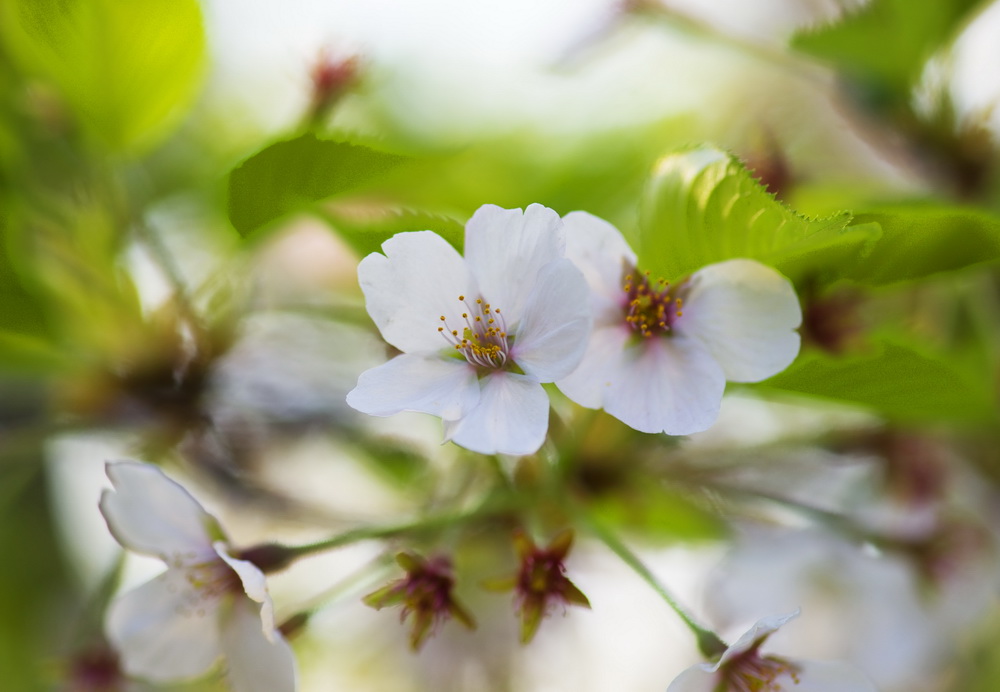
point(541, 299)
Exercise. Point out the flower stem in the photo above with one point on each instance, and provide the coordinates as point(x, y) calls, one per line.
point(709, 643)
point(427, 524)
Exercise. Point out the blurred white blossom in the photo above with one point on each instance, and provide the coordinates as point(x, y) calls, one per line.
point(206, 605)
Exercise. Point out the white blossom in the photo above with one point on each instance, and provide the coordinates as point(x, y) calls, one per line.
point(660, 354)
point(480, 334)
point(742, 668)
point(206, 605)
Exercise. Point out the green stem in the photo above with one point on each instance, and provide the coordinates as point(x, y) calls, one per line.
point(428, 524)
point(708, 642)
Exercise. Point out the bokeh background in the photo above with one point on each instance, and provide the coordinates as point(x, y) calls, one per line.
point(151, 309)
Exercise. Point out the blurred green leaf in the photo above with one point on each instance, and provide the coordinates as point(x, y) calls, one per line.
point(128, 69)
point(367, 231)
point(894, 380)
point(922, 240)
point(658, 514)
point(884, 44)
point(294, 174)
point(702, 206)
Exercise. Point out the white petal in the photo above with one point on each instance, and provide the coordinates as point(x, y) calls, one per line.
point(745, 314)
point(828, 676)
point(697, 678)
point(446, 387)
point(601, 363)
point(418, 279)
point(511, 418)
point(162, 632)
point(760, 631)
point(149, 513)
point(256, 664)
point(254, 584)
point(552, 336)
point(506, 248)
point(669, 385)
point(601, 253)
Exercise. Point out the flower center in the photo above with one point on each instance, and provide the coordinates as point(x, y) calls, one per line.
point(755, 673)
point(650, 308)
point(482, 336)
point(202, 583)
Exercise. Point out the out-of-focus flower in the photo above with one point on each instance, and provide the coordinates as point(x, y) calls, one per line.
point(426, 593)
point(207, 604)
point(479, 335)
point(541, 581)
point(742, 668)
point(660, 354)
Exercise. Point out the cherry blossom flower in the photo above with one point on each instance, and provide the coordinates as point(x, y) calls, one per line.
point(479, 334)
point(208, 604)
point(660, 354)
point(743, 669)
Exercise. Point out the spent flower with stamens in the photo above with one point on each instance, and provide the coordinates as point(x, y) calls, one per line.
point(425, 593)
point(207, 605)
point(479, 334)
point(540, 583)
point(742, 668)
point(660, 352)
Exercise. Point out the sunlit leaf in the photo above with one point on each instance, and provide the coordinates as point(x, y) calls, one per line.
point(895, 380)
point(127, 69)
point(294, 174)
point(702, 206)
point(366, 230)
point(920, 241)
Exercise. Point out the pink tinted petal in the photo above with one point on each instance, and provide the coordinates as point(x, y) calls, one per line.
point(745, 314)
point(418, 279)
point(162, 631)
point(669, 385)
point(511, 418)
point(600, 366)
point(151, 514)
point(446, 387)
point(599, 250)
point(505, 249)
point(552, 336)
point(254, 585)
point(256, 663)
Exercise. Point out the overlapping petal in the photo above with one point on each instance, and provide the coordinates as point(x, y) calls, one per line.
point(445, 387)
point(256, 663)
point(552, 335)
point(601, 253)
point(254, 585)
point(150, 514)
point(745, 314)
point(665, 385)
point(511, 418)
point(506, 248)
point(162, 631)
point(407, 289)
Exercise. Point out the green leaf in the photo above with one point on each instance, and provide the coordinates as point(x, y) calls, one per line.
point(366, 232)
point(920, 241)
point(127, 68)
point(884, 44)
point(294, 174)
point(894, 380)
point(702, 206)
